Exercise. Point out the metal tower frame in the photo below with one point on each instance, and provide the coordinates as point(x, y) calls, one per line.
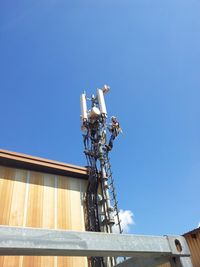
point(101, 202)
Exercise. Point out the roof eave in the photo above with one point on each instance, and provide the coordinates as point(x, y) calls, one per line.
point(23, 161)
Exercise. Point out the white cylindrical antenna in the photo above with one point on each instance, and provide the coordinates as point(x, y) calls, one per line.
point(102, 104)
point(83, 103)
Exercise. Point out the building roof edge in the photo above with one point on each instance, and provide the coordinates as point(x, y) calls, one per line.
point(194, 231)
point(24, 161)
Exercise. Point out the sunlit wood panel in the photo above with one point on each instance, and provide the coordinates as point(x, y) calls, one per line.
point(63, 214)
point(18, 198)
point(6, 190)
point(34, 217)
point(17, 210)
point(76, 213)
point(12, 191)
point(48, 211)
point(34, 199)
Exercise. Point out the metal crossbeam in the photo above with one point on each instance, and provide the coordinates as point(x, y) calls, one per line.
point(34, 241)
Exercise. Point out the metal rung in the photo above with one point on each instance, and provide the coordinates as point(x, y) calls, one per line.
point(108, 222)
point(119, 222)
point(110, 209)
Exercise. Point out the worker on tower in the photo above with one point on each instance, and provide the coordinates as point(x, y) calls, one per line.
point(114, 129)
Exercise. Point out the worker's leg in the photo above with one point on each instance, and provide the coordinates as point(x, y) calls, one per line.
point(112, 138)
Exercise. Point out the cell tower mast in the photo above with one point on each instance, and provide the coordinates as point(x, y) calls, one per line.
point(101, 207)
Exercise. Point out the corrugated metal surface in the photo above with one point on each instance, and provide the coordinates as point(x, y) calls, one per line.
point(35, 199)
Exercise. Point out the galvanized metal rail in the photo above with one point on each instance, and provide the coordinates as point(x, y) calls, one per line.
point(143, 250)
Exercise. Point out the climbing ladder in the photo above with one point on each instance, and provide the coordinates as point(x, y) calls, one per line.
point(112, 193)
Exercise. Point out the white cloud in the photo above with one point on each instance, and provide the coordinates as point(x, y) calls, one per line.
point(198, 225)
point(126, 217)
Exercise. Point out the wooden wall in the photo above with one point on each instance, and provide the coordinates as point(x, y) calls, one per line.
point(193, 240)
point(33, 199)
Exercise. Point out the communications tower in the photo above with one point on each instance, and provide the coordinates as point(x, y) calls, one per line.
point(101, 206)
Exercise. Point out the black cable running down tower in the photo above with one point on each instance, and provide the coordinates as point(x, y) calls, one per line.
point(101, 206)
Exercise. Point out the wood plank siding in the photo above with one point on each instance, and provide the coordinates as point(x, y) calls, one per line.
point(193, 240)
point(37, 199)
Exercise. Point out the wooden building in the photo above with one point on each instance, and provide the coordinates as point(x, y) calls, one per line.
point(41, 193)
point(193, 240)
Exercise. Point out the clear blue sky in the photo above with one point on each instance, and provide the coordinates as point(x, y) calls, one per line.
point(149, 53)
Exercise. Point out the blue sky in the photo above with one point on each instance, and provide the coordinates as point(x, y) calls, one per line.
point(149, 54)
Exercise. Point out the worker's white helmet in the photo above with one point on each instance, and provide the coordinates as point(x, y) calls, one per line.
point(106, 89)
point(113, 118)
